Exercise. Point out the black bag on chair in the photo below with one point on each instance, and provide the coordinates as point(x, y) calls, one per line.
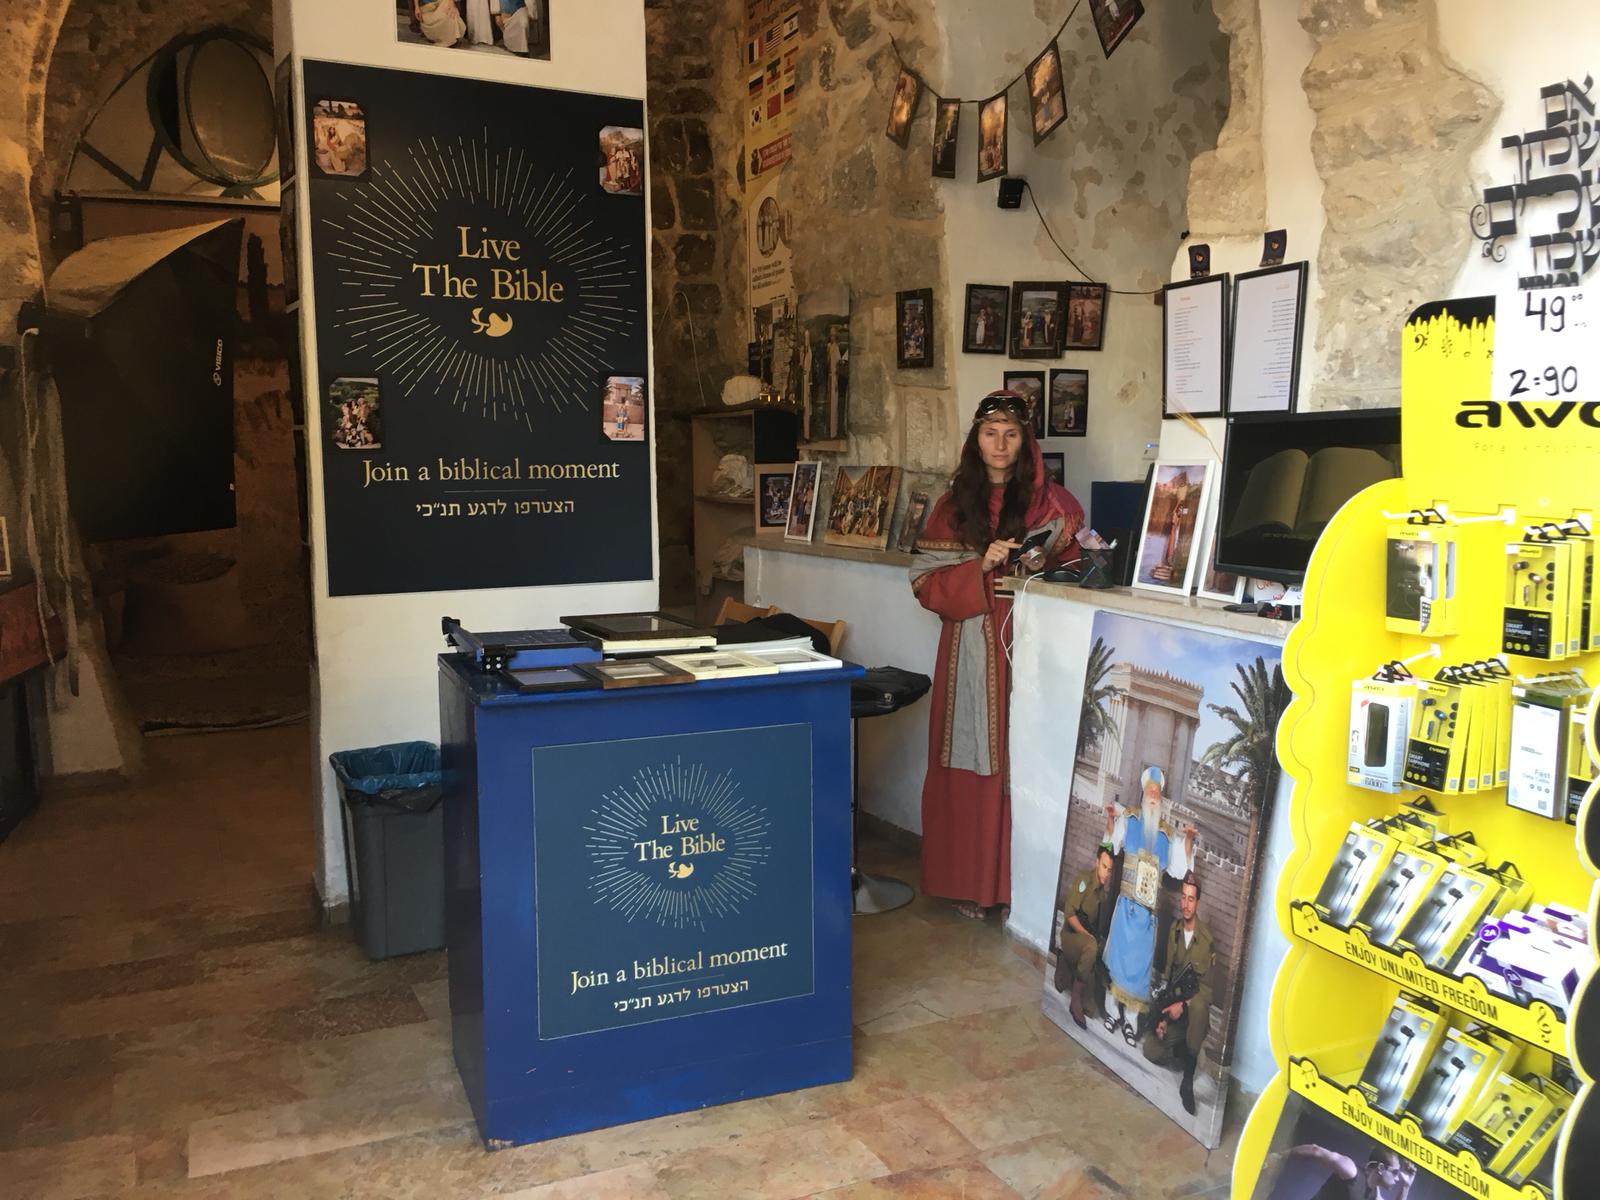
point(886, 690)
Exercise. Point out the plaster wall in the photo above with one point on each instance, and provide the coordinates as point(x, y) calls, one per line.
point(375, 676)
point(1111, 181)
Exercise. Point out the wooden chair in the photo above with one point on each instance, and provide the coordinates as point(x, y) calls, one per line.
point(738, 610)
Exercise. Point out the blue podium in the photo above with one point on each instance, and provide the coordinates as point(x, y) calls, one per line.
point(648, 895)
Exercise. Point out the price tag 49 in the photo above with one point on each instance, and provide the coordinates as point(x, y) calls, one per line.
point(1545, 346)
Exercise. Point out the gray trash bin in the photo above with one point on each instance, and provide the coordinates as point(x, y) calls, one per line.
point(393, 846)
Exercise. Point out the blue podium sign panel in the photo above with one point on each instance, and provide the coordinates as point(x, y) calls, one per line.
point(672, 876)
point(647, 895)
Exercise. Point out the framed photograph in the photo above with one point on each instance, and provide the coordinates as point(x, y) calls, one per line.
point(992, 138)
point(984, 324)
point(1030, 386)
point(911, 524)
point(1069, 403)
point(622, 160)
point(946, 130)
point(1211, 583)
point(1047, 95)
point(1130, 777)
point(622, 408)
point(1174, 513)
point(903, 108)
point(1037, 309)
point(356, 420)
point(518, 27)
point(913, 328)
point(1194, 339)
point(338, 139)
point(634, 672)
point(550, 679)
point(802, 502)
point(1114, 20)
point(1086, 316)
point(774, 485)
point(862, 507)
point(1055, 466)
point(1268, 323)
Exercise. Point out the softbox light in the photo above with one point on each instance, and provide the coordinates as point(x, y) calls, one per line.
point(139, 334)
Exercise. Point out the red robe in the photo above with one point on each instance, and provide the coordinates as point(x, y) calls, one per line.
point(966, 817)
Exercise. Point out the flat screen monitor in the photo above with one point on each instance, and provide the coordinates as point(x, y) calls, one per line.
point(1284, 475)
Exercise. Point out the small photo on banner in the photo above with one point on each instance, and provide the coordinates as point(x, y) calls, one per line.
point(903, 108)
point(992, 138)
point(1047, 96)
point(946, 129)
point(338, 139)
point(622, 160)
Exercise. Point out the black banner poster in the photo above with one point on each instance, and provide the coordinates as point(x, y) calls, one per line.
point(479, 273)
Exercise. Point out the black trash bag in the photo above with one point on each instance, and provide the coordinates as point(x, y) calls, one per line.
point(402, 776)
point(886, 690)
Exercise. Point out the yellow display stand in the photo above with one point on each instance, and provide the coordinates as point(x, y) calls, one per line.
point(1334, 990)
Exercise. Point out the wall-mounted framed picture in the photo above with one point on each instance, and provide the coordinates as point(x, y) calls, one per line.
point(1030, 386)
point(911, 524)
point(913, 328)
point(1037, 309)
point(1068, 414)
point(992, 138)
point(1086, 316)
point(1174, 513)
point(983, 327)
point(1194, 341)
point(803, 502)
point(1268, 323)
point(1055, 466)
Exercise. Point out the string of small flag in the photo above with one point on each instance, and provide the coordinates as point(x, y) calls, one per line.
point(1047, 98)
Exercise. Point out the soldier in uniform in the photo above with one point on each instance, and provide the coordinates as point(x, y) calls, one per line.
point(1179, 1029)
point(1082, 930)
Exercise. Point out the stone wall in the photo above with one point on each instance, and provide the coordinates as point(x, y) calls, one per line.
point(696, 280)
point(1397, 123)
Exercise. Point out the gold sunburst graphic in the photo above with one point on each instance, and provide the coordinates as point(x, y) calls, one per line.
point(379, 228)
point(640, 887)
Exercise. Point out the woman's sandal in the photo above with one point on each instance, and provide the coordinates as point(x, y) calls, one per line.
point(971, 911)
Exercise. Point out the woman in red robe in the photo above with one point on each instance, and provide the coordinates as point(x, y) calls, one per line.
point(999, 495)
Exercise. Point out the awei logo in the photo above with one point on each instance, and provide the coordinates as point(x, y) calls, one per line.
point(677, 845)
point(1491, 414)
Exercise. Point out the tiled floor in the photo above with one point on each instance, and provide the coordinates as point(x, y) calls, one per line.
point(172, 1024)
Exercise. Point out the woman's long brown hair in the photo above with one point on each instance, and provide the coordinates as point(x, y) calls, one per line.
point(970, 490)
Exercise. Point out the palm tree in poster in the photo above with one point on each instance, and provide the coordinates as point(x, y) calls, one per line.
point(1252, 746)
point(1094, 718)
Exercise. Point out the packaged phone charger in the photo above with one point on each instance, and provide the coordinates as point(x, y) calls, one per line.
point(1380, 726)
point(1420, 576)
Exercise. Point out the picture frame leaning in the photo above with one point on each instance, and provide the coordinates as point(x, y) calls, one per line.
point(1175, 509)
